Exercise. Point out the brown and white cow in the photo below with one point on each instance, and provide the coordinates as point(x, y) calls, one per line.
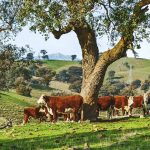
point(139, 102)
point(60, 103)
point(106, 103)
point(35, 112)
point(121, 102)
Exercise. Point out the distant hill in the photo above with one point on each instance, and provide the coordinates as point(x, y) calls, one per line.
point(59, 56)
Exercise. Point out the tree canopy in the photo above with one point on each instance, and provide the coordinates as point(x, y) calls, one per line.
point(8, 17)
point(116, 18)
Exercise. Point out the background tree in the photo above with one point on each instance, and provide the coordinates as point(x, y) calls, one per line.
point(111, 75)
point(136, 84)
point(29, 56)
point(73, 57)
point(22, 86)
point(125, 22)
point(8, 17)
point(146, 85)
point(9, 54)
point(46, 73)
point(44, 52)
point(8, 25)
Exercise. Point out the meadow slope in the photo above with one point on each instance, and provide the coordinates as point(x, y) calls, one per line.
point(141, 67)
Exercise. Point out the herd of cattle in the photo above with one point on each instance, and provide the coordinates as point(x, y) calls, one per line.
point(70, 107)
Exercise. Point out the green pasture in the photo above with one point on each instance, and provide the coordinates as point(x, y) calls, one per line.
point(58, 65)
point(125, 134)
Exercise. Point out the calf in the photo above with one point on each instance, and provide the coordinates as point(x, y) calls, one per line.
point(35, 113)
point(60, 103)
point(121, 102)
point(106, 103)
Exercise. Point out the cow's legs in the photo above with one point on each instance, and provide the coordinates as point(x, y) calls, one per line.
point(26, 117)
point(131, 111)
point(54, 115)
point(123, 111)
point(109, 112)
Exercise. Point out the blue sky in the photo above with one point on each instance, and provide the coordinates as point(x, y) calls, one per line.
point(68, 44)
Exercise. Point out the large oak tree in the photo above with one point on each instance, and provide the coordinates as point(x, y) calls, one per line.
point(126, 22)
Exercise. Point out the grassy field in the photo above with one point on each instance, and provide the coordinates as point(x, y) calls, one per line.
point(125, 134)
point(118, 134)
point(58, 65)
point(140, 71)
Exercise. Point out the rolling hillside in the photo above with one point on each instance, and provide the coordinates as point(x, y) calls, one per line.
point(141, 67)
point(58, 65)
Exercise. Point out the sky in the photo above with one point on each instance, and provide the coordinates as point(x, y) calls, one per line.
point(68, 44)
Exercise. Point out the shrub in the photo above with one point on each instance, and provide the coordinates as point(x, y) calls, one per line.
point(76, 86)
point(135, 84)
point(22, 87)
point(23, 90)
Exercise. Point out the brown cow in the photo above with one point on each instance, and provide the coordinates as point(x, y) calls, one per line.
point(60, 103)
point(35, 113)
point(121, 102)
point(138, 102)
point(106, 103)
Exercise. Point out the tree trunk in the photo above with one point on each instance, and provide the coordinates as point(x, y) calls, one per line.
point(92, 80)
point(94, 68)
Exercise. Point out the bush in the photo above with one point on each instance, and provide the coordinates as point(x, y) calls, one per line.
point(136, 84)
point(76, 86)
point(23, 90)
point(71, 75)
point(46, 75)
point(145, 86)
point(22, 87)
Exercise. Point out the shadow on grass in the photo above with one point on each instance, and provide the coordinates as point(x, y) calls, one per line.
point(116, 139)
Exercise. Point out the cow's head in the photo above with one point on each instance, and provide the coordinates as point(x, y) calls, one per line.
point(42, 100)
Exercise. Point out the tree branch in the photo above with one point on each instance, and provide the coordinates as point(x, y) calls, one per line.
point(58, 33)
point(119, 50)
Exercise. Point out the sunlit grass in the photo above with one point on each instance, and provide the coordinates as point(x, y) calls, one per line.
point(58, 65)
point(122, 135)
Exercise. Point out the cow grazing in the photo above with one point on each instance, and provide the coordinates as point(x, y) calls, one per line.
point(58, 104)
point(106, 103)
point(138, 102)
point(34, 112)
point(121, 102)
